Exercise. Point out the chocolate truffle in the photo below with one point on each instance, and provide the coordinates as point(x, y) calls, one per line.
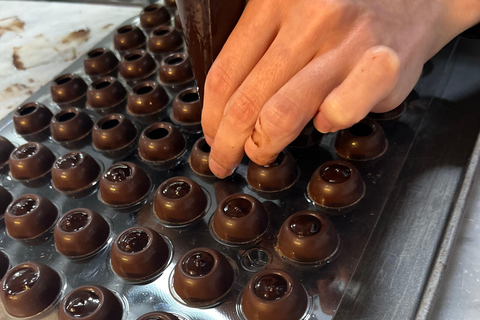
point(90, 302)
point(203, 276)
point(160, 142)
point(336, 185)
point(239, 218)
point(307, 237)
point(6, 147)
point(100, 62)
point(113, 133)
point(136, 66)
point(128, 38)
point(70, 125)
point(106, 95)
point(5, 199)
point(175, 69)
point(31, 118)
point(139, 253)
point(164, 40)
point(124, 184)
point(80, 233)
point(281, 174)
point(75, 172)
point(274, 294)
point(187, 107)
point(146, 98)
point(158, 315)
point(30, 161)
point(179, 200)
point(387, 119)
point(154, 16)
point(4, 264)
point(30, 288)
point(364, 141)
point(199, 158)
point(30, 216)
point(69, 90)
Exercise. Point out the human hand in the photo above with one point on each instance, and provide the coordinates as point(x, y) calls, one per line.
point(288, 61)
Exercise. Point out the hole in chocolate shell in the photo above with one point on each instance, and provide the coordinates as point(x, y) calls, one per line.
point(174, 61)
point(66, 116)
point(22, 280)
point(133, 57)
point(63, 80)
point(69, 161)
point(143, 90)
point(109, 124)
point(133, 241)
point(161, 32)
point(118, 173)
point(96, 53)
point(237, 208)
point(203, 145)
point(336, 173)
point(74, 221)
point(190, 97)
point(125, 29)
point(102, 85)
point(158, 133)
point(82, 304)
point(25, 151)
point(271, 287)
point(27, 110)
point(305, 225)
point(198, 264)
point(361, 130)
point(176, 190)
point(23, 206)
point(278, 161)
point(152, 7)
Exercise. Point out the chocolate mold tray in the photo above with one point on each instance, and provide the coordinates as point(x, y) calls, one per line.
point(325, 283)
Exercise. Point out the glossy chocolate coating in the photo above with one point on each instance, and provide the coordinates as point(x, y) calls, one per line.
point(277, 176)
point(336, 184)
point(6, 147)
point(202, 276)
point(137, 65)
point(179, 200)
point(100, 62)
point(160, 142)
point(70, 124)
point(90, 302)
point(129, 38)
point(164, 40)
point(30, 216)
point(239, 218)
point(274, 294)
point(113, 132)
point(124, 184)
point(146, 98)
point(67, 90)
point(74, 171)
point(154, 16)
point(139, 253)
point(199, 158)
point(4, 264)
point(207, 25)
point(187, 107)
point(31, 118)
point(29, 288)
point(158, 315)
point(30, 161)
point(106, 93)
point(170, 3)
point(307, 237)
point(364, 141)
point(80, 233)
point(5, 199)
point(387, 119)
point(175, 69)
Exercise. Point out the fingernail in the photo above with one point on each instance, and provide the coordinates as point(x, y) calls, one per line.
point(218, 170)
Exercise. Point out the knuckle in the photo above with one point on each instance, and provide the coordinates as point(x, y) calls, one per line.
point(242, 108)
point(219, 79)
point(283, 111)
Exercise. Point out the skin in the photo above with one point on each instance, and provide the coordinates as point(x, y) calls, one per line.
point(288, 61)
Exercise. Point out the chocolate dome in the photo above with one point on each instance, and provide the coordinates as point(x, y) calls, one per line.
point(70, 125)
point(129, 38)
point(69, 90)
point(176, 69)
point(154, 16)
point(160, 142)
point(6, 147)
point(199, 158)
point(106, 95)
point(100, 62)
point(30, 161)
point(31, 118)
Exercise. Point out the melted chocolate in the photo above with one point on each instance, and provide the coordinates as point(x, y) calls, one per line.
point(271, 287)
point(22, 280)
point(198, 264)
point(237, 208)
point(336, 173)
point(74, 221)
point(24, 206)
point(82, 304)
point(69, 161)
point(176, 190)
point(305, 225)
point(118, 173)
point(133, 241)
point(25, 151)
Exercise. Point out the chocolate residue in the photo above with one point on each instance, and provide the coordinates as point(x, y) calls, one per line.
point(107, 26)
point(79, 36)
point(16, 59)
point(15, 90)
point(12, 24)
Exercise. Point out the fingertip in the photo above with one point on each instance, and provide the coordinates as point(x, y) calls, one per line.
point(322, 124)
point(208, 140)
point(219, 171)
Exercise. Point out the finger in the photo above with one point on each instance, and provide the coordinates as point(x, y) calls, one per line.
point(285, 57)
point(371, 80)
point(242, 51)
point(287, 112)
